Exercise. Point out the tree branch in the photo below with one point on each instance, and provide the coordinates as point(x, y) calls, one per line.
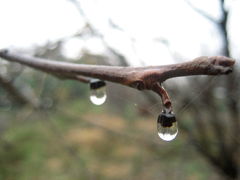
point(136, 77)
point(201, 12)
point(14, 93)
point(141, 78)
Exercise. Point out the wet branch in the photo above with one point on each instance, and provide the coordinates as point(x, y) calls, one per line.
point(136, 77)
point(141, 78)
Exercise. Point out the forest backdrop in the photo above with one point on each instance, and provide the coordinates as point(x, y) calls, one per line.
point(50, 130)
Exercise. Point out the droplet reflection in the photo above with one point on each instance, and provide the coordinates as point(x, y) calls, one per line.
point(167, 126)
point(98, 92)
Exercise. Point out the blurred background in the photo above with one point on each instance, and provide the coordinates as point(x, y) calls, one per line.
point(49, 129)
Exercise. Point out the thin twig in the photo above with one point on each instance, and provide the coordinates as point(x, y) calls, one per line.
point(164, 96)
point(137, 77)
point(14, 93)
point(141, 78)
point(201, 12)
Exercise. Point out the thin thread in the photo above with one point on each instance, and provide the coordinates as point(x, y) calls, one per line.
point(196, 97)
point(181, 110)
point(136, 105)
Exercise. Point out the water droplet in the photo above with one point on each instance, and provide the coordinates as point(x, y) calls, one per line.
point(167, 126)
point(98, 91)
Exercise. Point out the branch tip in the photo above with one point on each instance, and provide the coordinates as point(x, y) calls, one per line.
point(141, 78)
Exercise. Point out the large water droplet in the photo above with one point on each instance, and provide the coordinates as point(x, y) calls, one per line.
point(98, 92)
point(167, 126)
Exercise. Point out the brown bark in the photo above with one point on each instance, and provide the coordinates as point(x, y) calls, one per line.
point(136, 77)
point(141, 78)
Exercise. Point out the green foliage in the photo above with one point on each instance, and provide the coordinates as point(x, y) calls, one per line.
point(71, 138)
point(80, 141)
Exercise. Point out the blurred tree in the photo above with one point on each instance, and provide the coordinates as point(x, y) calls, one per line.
point(214, 127)
point(215, 131)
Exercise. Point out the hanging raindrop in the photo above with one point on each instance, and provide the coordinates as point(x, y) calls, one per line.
point(167, 126)
point(98, 91)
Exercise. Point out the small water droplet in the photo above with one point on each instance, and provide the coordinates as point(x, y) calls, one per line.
point(167, 126)
point(98, 92)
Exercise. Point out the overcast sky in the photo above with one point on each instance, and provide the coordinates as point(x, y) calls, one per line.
point(28, 22)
